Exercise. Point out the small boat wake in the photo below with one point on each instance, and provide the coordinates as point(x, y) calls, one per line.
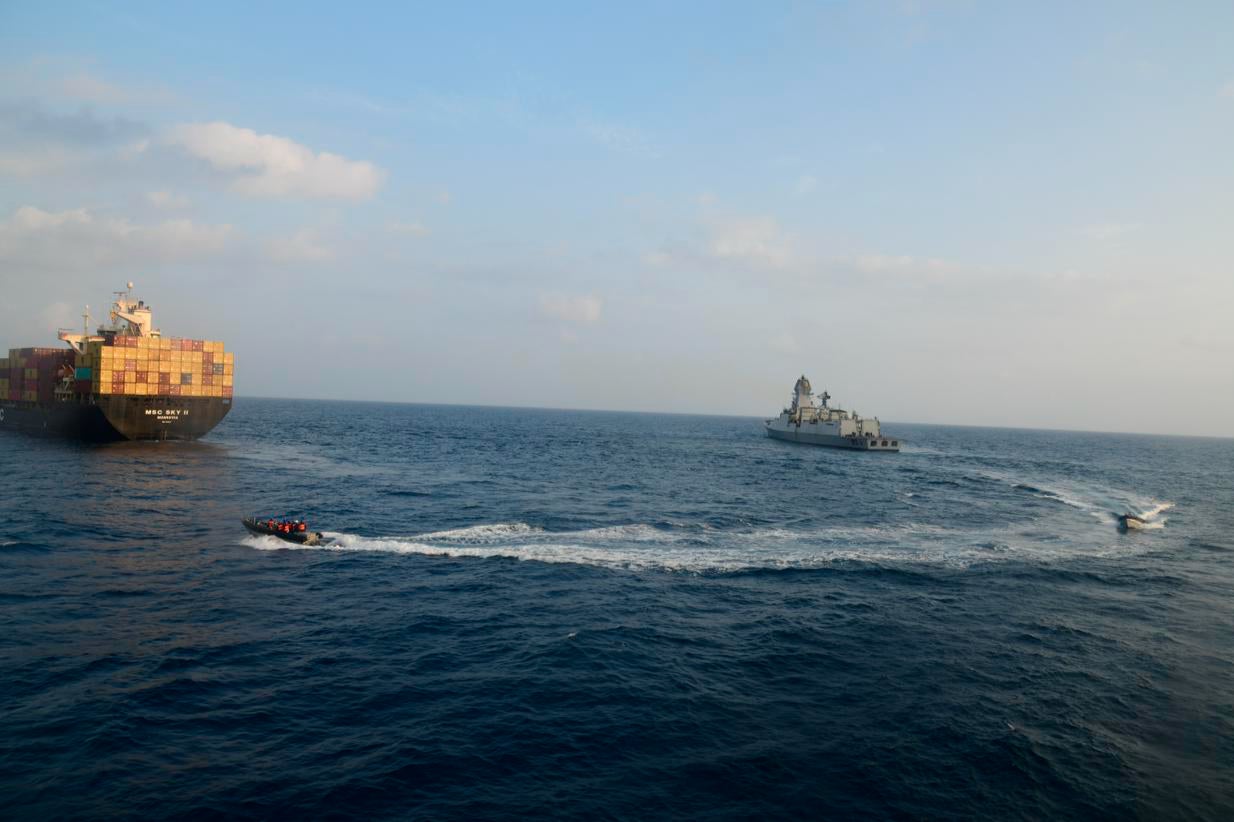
point(1147, 520)
point(701, 549)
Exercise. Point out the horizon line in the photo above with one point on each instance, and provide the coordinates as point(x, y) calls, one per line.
point(727, 416)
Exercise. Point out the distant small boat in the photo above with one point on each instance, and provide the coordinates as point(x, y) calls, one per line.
point(287, 530)
point(1130, 522)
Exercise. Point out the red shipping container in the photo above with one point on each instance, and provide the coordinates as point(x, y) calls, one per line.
point(164, 378)
point(226, 390)
point(143, 376)
point(207, 379)
point(130, 365)
point(165, 389)
point(199, 345)
point(207, 358)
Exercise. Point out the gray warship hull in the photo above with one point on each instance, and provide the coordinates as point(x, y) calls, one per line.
point(802, 434)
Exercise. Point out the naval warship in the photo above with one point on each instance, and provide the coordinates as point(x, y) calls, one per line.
point(816, 423)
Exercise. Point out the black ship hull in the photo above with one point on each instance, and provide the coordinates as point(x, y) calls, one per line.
point(105, 418)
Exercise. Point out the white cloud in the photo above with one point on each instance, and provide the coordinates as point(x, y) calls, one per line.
point(57, 78)
point(36, 140)
point(905, 265)
point(756, 240)
point(79, 238)
point(414, 229)
point(619, 138)
point(35, 161)
point(265, 165)
point(578, 310)
point(1109, 231)
point(877, 263)
point(167, 200)
point(806, 184)
point(305, 246)
point(94, 89)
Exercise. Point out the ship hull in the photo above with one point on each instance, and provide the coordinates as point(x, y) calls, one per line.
point(795, 433)
point(110, 418)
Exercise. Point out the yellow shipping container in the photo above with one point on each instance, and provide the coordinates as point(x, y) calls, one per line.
point(141, 388)
point(227, 378)
point(164, 367)
point(130, 377)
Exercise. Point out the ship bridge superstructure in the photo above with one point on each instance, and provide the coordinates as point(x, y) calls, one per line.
point(129, 317)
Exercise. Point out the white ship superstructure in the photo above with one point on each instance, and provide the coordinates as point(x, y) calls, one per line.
point(815, 423)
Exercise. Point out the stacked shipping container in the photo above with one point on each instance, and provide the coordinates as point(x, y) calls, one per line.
point(31, 374)
point(137, 366)
point(147, 366)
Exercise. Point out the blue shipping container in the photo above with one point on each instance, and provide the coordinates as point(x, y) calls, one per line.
point(82, 374)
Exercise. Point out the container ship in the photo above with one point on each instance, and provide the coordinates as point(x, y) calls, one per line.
point(125, 382)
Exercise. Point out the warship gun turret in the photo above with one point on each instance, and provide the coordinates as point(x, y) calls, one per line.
point(809, 419)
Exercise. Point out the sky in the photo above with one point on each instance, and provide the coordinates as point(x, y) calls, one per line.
point(954, 212)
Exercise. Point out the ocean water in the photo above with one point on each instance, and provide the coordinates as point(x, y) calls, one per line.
point(618, 616)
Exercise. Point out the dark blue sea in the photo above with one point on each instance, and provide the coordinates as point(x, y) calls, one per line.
point(557, 614)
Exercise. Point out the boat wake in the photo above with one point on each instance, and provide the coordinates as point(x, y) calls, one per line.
point(702, 549)
point(1149, 519)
